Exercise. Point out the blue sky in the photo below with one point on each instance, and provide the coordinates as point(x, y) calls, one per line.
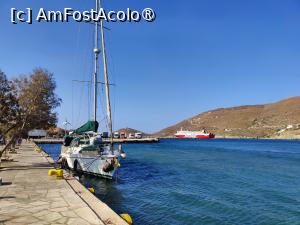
point(197, 55)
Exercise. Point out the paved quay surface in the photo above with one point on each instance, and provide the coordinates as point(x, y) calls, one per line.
point(29, 196)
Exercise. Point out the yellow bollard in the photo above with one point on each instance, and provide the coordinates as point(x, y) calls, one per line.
point(56, 172)
point(59, 173)
point(127, 218)
point(92, 190)
point(51, 172)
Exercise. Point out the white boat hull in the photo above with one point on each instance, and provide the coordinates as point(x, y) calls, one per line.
point(89, 163)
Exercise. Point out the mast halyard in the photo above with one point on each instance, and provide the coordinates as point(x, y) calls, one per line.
point(96, 54)
point(108, 106)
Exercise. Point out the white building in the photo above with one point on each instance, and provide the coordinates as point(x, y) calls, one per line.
point(37, 133)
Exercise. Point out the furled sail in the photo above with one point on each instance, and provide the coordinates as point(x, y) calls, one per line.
point(90, 126)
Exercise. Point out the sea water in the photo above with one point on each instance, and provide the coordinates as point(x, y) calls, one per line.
point(204, 182)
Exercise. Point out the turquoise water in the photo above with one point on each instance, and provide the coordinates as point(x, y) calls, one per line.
point(205, 182)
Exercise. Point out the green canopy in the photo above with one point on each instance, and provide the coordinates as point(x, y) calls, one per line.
point(88, 127)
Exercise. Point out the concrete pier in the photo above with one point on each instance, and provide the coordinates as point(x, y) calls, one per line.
point(132, 141)
point(29, 196)
point(107, 140)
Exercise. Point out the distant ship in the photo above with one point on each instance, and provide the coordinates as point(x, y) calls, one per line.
point(194, 134)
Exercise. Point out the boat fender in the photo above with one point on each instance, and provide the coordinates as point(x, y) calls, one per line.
point(116, 163)
point(127, 218)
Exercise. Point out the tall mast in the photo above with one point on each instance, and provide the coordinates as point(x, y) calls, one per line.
point(96, 54)
point(108, 107)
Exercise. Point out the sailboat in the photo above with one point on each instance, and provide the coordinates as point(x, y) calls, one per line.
point(83, 149)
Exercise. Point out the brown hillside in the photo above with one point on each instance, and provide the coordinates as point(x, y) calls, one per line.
point(130, 130)
point(244, 121)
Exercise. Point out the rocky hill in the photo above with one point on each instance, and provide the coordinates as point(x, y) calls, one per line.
point(132, 131)
point(276, 120)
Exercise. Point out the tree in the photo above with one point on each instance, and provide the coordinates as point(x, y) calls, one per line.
point(36, 101)
point(8, 105)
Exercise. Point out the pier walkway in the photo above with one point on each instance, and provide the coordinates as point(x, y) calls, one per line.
point(29, 196)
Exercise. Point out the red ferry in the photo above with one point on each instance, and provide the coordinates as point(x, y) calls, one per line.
point(194, 134)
